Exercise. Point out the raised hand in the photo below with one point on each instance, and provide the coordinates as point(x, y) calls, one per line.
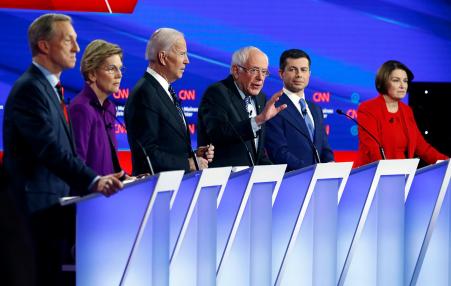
point(270, 109)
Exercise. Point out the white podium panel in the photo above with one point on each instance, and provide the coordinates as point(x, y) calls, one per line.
point(304, 225)
point(244, 226)
point(193, 255)
point(119, 242)
point(428, 238)
point(371, 224)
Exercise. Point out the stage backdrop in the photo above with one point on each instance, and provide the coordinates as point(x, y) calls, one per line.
point(346, 41)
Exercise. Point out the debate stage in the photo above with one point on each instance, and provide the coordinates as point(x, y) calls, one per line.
point(387, 223)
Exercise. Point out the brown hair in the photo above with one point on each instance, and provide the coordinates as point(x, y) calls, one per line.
point(42, 28)
point(383, 74)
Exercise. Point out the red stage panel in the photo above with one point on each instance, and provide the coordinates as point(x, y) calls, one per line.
point(113, 6)
point(125, 159)
point(345, 156)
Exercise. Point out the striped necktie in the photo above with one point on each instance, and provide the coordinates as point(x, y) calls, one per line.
point(60, 89)
point(307, 119)
point(176, 103)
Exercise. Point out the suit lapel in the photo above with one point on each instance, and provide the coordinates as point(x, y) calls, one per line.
point(50, 93)
point(174, 120)
point(292, 115)
point(239, 111)
point(237, 102)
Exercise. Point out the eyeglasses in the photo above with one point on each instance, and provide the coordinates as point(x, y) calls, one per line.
point(112, 69)
point(255, 71)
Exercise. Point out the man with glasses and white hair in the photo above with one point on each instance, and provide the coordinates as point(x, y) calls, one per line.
point(233, 111)
point(156, 125)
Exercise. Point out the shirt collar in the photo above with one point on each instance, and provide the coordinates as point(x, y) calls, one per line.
point(243, 96)
point(294, 97)
point(159, 78)
point(51, 78)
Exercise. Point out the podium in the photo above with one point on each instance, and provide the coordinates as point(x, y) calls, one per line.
point(193, 227)
point(381, 224)
point(371, 223)
point(244, 226)
point(124, 239)
point(428, 238)
point(304, 230)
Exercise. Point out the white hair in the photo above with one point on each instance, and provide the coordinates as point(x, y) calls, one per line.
point(241, 56)
point(161, 40)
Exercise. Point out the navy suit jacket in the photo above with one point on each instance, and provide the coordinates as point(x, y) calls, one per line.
point(288, 141)
point(153, 120)
point(222, 120)
point(40, 159)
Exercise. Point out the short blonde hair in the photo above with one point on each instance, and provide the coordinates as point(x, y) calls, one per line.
point(94, 55)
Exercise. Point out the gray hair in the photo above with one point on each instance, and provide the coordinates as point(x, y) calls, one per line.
point(42, 28)
point(241, 56)
point(161, 40)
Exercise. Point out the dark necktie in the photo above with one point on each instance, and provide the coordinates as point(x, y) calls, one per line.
point(248, 105)
point(176, 103)
point(60, 90)
point(307, 119)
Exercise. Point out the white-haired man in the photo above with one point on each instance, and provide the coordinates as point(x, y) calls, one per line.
point(155, 121)
point(233, 111)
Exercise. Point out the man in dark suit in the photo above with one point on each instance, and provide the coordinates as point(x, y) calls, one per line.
point(233, 111)
point(16, 248)
point(297, 137)
point(155, 121)
point(40, 159)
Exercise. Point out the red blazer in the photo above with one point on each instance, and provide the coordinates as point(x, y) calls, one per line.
point(374, 116)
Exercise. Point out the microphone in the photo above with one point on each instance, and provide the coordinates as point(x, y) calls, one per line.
point(249, 154)
point(381, 149)
point(143, 150)
point(149, 163)
point(196, 163)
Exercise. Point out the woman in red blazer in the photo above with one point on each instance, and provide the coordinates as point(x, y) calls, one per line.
point(391, 121)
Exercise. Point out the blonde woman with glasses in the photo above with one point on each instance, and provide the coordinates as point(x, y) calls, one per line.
point(92, 114)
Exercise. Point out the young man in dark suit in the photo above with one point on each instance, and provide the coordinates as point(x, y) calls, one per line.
point(233, 111)
point(40, 159)
point(297, 137)
point(156, 125)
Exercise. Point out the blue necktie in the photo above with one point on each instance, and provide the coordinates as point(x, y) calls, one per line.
point(307, 119)
point(176, 103)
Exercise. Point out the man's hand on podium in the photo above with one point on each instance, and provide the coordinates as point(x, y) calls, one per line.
point(109, 184)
